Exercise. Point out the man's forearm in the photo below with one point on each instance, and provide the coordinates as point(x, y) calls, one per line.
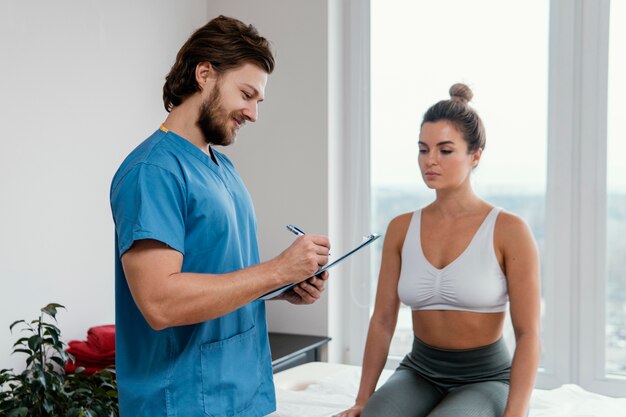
point(189, 298)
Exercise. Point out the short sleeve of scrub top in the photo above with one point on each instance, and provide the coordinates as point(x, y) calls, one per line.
point(150, 205)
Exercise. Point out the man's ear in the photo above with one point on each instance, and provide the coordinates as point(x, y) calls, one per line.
point(205, 75)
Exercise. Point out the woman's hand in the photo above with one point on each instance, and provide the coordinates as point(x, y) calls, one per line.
point(354, 411)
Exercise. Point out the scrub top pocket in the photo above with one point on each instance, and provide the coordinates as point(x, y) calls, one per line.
point(224, 392)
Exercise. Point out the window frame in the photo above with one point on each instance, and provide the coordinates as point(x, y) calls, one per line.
point(349, 176)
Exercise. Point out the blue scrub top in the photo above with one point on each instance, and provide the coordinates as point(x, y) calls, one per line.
point(169, 190)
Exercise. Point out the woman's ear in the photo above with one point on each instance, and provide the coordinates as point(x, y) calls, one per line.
point(476, 157)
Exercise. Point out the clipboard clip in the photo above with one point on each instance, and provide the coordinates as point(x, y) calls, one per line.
point(370, 237)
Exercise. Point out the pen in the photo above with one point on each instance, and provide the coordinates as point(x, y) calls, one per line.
point(295, 230)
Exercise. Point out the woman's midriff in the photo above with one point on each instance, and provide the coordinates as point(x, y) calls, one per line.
point(449, 329)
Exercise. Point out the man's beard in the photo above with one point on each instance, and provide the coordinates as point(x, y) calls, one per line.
point(213, 120)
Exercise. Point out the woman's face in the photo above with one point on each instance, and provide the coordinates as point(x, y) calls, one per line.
point(443, 157)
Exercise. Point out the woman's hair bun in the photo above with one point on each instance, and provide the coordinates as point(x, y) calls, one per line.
point(461, 92)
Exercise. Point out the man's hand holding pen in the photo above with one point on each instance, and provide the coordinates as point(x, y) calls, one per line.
point(307, 254)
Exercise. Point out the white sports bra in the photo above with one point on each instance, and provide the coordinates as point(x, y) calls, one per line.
point(472, 282)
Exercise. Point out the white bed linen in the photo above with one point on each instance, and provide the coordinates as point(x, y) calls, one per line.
point(321, 389)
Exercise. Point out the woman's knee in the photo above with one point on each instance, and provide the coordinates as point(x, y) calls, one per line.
point(404, 395)
point(380, 406)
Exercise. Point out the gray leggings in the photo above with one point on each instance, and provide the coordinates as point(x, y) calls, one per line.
point(437, 382)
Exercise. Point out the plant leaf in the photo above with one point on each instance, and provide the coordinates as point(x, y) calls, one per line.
point(19, 412)
point(42, 380)
point(83, 391)
point(67, 357)
point(20, 341)
point(57, 360)
point(51, 309)
point(14, 323)
point(47, 406)
point(34, 342)
point(53, 333)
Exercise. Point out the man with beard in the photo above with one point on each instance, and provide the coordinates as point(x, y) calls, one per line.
point(191, 332)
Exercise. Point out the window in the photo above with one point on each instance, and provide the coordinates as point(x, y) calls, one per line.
point(616, 196)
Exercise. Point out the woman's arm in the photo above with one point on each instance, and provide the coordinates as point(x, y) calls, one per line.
point(521, 264)
point(383, 321)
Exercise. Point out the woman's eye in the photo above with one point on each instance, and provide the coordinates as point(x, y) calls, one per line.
point(446, 151)
point(246, 95)
point(423, 151)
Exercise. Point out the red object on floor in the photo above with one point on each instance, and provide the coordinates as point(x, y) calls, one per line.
point(102, 338)
point(94, 354)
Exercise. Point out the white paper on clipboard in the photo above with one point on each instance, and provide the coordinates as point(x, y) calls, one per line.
point(368, 239)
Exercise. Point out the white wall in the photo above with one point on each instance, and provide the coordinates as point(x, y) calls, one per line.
point(80, 86)
point(283, 158)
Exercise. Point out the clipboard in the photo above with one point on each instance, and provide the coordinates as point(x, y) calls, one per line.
point(368, 240)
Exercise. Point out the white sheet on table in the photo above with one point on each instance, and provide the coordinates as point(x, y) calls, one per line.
point(330, 395)
point(573, 401)
point(336, 392)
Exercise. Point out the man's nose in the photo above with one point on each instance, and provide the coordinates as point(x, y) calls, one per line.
point(251, 112)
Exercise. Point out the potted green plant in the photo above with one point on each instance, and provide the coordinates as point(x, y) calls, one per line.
point(43, 388)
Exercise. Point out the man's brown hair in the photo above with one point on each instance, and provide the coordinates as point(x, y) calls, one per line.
point(226, 43)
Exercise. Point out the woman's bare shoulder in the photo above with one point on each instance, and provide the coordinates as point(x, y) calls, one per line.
point(401, 221)
point(511, 227)
point(510, 221)
point(396, 230)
